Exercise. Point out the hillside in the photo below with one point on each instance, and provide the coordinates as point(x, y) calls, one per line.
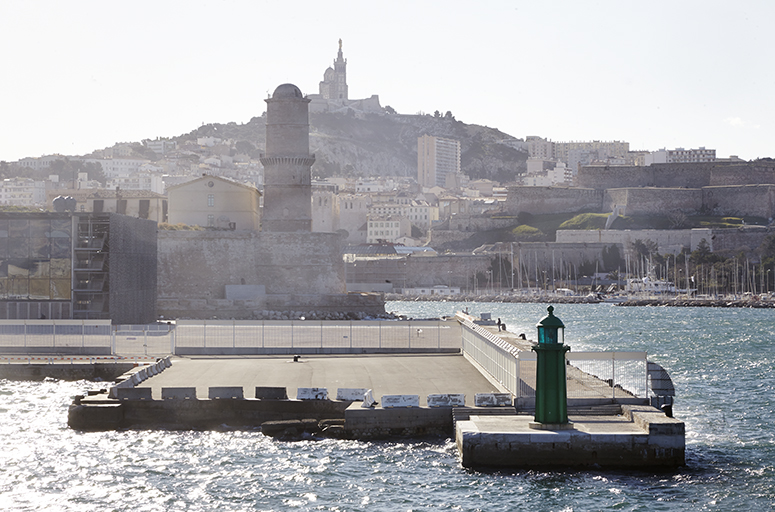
point(383, 144)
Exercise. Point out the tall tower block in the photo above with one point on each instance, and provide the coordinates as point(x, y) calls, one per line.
point(287, 162)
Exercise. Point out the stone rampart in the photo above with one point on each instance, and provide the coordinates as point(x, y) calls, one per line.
point(198, 264)
point(742, 174)
point(541, 200)
point(685, 175)
point(653, 201)
point(300, 263)
point(756, 200)
point(732, 241)
point(668, 241)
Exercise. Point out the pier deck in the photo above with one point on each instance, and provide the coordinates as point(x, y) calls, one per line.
point(384, 374)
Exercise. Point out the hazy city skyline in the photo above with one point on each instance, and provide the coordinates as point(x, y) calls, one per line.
point(84, 75)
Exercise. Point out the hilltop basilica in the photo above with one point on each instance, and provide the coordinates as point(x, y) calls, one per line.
point(333, 95)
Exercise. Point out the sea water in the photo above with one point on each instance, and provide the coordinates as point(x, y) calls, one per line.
point(721, 362)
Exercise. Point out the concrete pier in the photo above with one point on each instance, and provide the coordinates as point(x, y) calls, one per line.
point(641, 437)
point(424, 394)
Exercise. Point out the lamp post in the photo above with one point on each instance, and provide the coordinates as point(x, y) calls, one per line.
point(551, 389)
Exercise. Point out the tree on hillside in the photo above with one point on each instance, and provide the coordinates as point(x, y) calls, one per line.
point(612, 260)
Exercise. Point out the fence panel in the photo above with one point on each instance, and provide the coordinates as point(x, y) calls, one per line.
point(55, 334)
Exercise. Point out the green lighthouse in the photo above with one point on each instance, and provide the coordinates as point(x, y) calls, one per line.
point(551, 392)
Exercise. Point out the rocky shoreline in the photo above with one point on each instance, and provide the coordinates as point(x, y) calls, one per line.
point(550, 299)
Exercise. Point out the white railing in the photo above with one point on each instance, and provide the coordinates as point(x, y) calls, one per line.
point(357, 336)
point(589, 374)
point(56, 334)
point(495, 356)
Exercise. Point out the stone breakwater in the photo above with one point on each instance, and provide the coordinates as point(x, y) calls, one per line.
point(549, 299)
point(694, 303)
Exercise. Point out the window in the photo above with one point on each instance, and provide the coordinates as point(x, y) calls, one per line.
point(145, 208)
point(210, 200)
point(211, 221)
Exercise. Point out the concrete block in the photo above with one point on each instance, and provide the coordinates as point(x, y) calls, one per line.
point(178, 393)
point(400, 401)
point(351, 394)
point(134, 394)
point(225, 393)
point(492, 400)
point(447, 400)
point(368, 400)
point(136, 379)
point(312, 394)
point(271, 393)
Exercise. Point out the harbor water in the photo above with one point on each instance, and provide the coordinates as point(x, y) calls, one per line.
point(721, 362)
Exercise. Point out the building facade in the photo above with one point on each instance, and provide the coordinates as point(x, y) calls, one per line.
point(77, 266)
point(214, 202)
point(437, 158)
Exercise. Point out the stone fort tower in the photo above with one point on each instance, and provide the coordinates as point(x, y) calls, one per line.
point(287, 162)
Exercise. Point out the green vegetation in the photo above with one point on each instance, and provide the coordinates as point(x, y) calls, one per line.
point(523, 233)
point(179, 227)
point(586, 221)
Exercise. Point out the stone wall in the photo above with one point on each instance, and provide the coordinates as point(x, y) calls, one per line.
point(198, 264)
point(668, 241)
point(688, 175)
point(541, 200)
point(730, 242)
point(300, 272)
point(757, 200)
point(300, 263)
point(653, 201)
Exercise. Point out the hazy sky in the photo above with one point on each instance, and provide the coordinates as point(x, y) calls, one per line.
point(82, 75)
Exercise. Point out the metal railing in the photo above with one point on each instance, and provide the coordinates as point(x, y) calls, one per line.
point(55, 334)
point(318, 334)
point(612, 375)
point(495, 356)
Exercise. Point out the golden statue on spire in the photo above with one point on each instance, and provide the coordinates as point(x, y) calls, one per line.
point(340, 44)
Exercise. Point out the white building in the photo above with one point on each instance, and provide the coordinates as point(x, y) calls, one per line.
point(437, 158)
point(137, 181)
point(419, 213)
point(160, 146)
point(681, 155)
point(387, 229)
point(22, 192)
point(112, 167)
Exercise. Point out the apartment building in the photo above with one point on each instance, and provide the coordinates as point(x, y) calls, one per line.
point(436, 159)
point(22, 192)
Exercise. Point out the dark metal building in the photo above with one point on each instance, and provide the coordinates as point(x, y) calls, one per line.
point(77, 266)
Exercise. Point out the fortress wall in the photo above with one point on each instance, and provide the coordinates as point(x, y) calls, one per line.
point(742, 174)
point(732, 241)
point(546, 254)
point(756, 200)
point(668, 241)
point(299, 263)
point(653, 201)
point(540, 200)
point(602, 177)
point(687, 175)
point(456, 270)
point(198, 264)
